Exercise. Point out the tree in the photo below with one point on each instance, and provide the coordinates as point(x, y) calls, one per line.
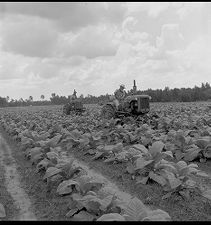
point(42, 97)
point(53, 95)
point(3, 102)
point(7, 98)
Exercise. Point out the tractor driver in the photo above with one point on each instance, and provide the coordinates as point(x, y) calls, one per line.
point(119, 95)
point(74, 94)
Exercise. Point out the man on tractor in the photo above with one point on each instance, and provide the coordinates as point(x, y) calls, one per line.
point(74, 96)
point(119, 94)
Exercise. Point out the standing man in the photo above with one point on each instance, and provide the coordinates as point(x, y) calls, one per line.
point(74, 94)
point(119, 95)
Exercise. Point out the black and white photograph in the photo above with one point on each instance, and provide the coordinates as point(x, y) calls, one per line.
point(105, 111)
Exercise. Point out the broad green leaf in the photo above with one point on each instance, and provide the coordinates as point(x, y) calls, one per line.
point(193, 165)
point(187, 171)
point(190, 183)
point(191, 155)
point(181, 164)
point(202, 174)
point(141, 148)
point(157, 178)
point(43, 164)
point(118, 147)
point(167, 166)
point(66, 166)
point(179, 140)
point(134, 208)
point(173, 181)
point(156, 147)
point(207, 194)
point(72, 212)
point(91, 193)
point(34, 151)
point(141, 163)
point(110, 160)
point(207, 151)
point(75, 134)
point(56, 178)
point(154, 218)
point(169, 153)
point(111, 217)
point(91, 203)
point(179, 154)
point(54, 141)
point(122, 156)
point(142, 180)
point(106, 202)
point(108, 148)
point(84, 141)
point(52, 155)
point(51, 171)
point(146, 141)
point(202, 142)
point(37, 158)
point(158, 215)
point(83, 216)
point(66, 187)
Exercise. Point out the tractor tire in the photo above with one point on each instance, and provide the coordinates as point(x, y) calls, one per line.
point(108, 112)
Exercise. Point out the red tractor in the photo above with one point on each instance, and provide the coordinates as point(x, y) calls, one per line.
point(133, 105)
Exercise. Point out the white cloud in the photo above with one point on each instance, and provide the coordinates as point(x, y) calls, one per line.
point(29, 36)
point(48, 49)
point(154, 9)
point(13, 66)
point(91, 42)
point(69, 15)
point(170, 38)
point(190, 8)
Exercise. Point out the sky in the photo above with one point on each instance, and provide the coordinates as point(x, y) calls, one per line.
point(94, 47)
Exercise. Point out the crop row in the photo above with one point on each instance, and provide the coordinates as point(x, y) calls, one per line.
point(155, 148)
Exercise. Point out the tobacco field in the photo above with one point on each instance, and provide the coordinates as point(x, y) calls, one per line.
point(153, 168)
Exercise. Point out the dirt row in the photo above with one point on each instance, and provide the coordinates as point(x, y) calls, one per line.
point(48, 206)
point(44, 205)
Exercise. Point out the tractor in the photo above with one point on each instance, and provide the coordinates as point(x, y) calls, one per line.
point(75, 105)
point(133, 105)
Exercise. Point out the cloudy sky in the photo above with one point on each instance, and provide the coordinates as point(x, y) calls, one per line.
point(94, 47)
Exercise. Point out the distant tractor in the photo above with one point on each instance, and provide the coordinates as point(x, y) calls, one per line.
point(133, 105)
point(75, 105)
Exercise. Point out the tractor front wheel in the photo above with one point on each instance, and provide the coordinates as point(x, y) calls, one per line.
point(66, 109)
point(108, 112)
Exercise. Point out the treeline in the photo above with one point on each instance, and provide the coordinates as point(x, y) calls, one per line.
point(202, 93)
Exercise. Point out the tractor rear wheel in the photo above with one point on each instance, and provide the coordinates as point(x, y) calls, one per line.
point(108, 112)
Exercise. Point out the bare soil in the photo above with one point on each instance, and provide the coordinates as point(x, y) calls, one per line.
point(45, 206)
